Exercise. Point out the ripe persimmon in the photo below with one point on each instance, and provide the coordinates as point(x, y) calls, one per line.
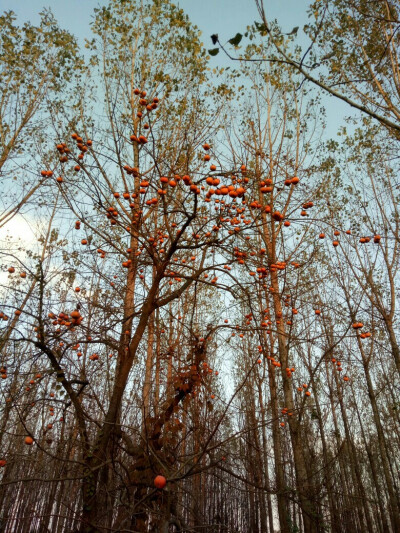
point(160, 482)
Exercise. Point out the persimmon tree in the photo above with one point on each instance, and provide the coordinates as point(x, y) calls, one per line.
point(278, 143)
point(371, 263)
point(37, 65)
point(138, 200)
point(204, 334)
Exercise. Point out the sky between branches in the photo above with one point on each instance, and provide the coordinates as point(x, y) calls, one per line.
point(224, 17)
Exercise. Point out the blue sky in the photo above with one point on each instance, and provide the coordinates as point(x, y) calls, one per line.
point(211, 16)
point(225, 17)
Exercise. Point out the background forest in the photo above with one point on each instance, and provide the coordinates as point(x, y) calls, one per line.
point(199, 327)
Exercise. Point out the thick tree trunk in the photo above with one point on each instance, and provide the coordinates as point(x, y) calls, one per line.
point(311, 519)
point(265, 456)
point(282, 500)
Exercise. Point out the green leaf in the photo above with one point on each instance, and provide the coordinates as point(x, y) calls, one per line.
point(236, 40)
point(213, 51)
point(260, 27)
point(294, 31)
